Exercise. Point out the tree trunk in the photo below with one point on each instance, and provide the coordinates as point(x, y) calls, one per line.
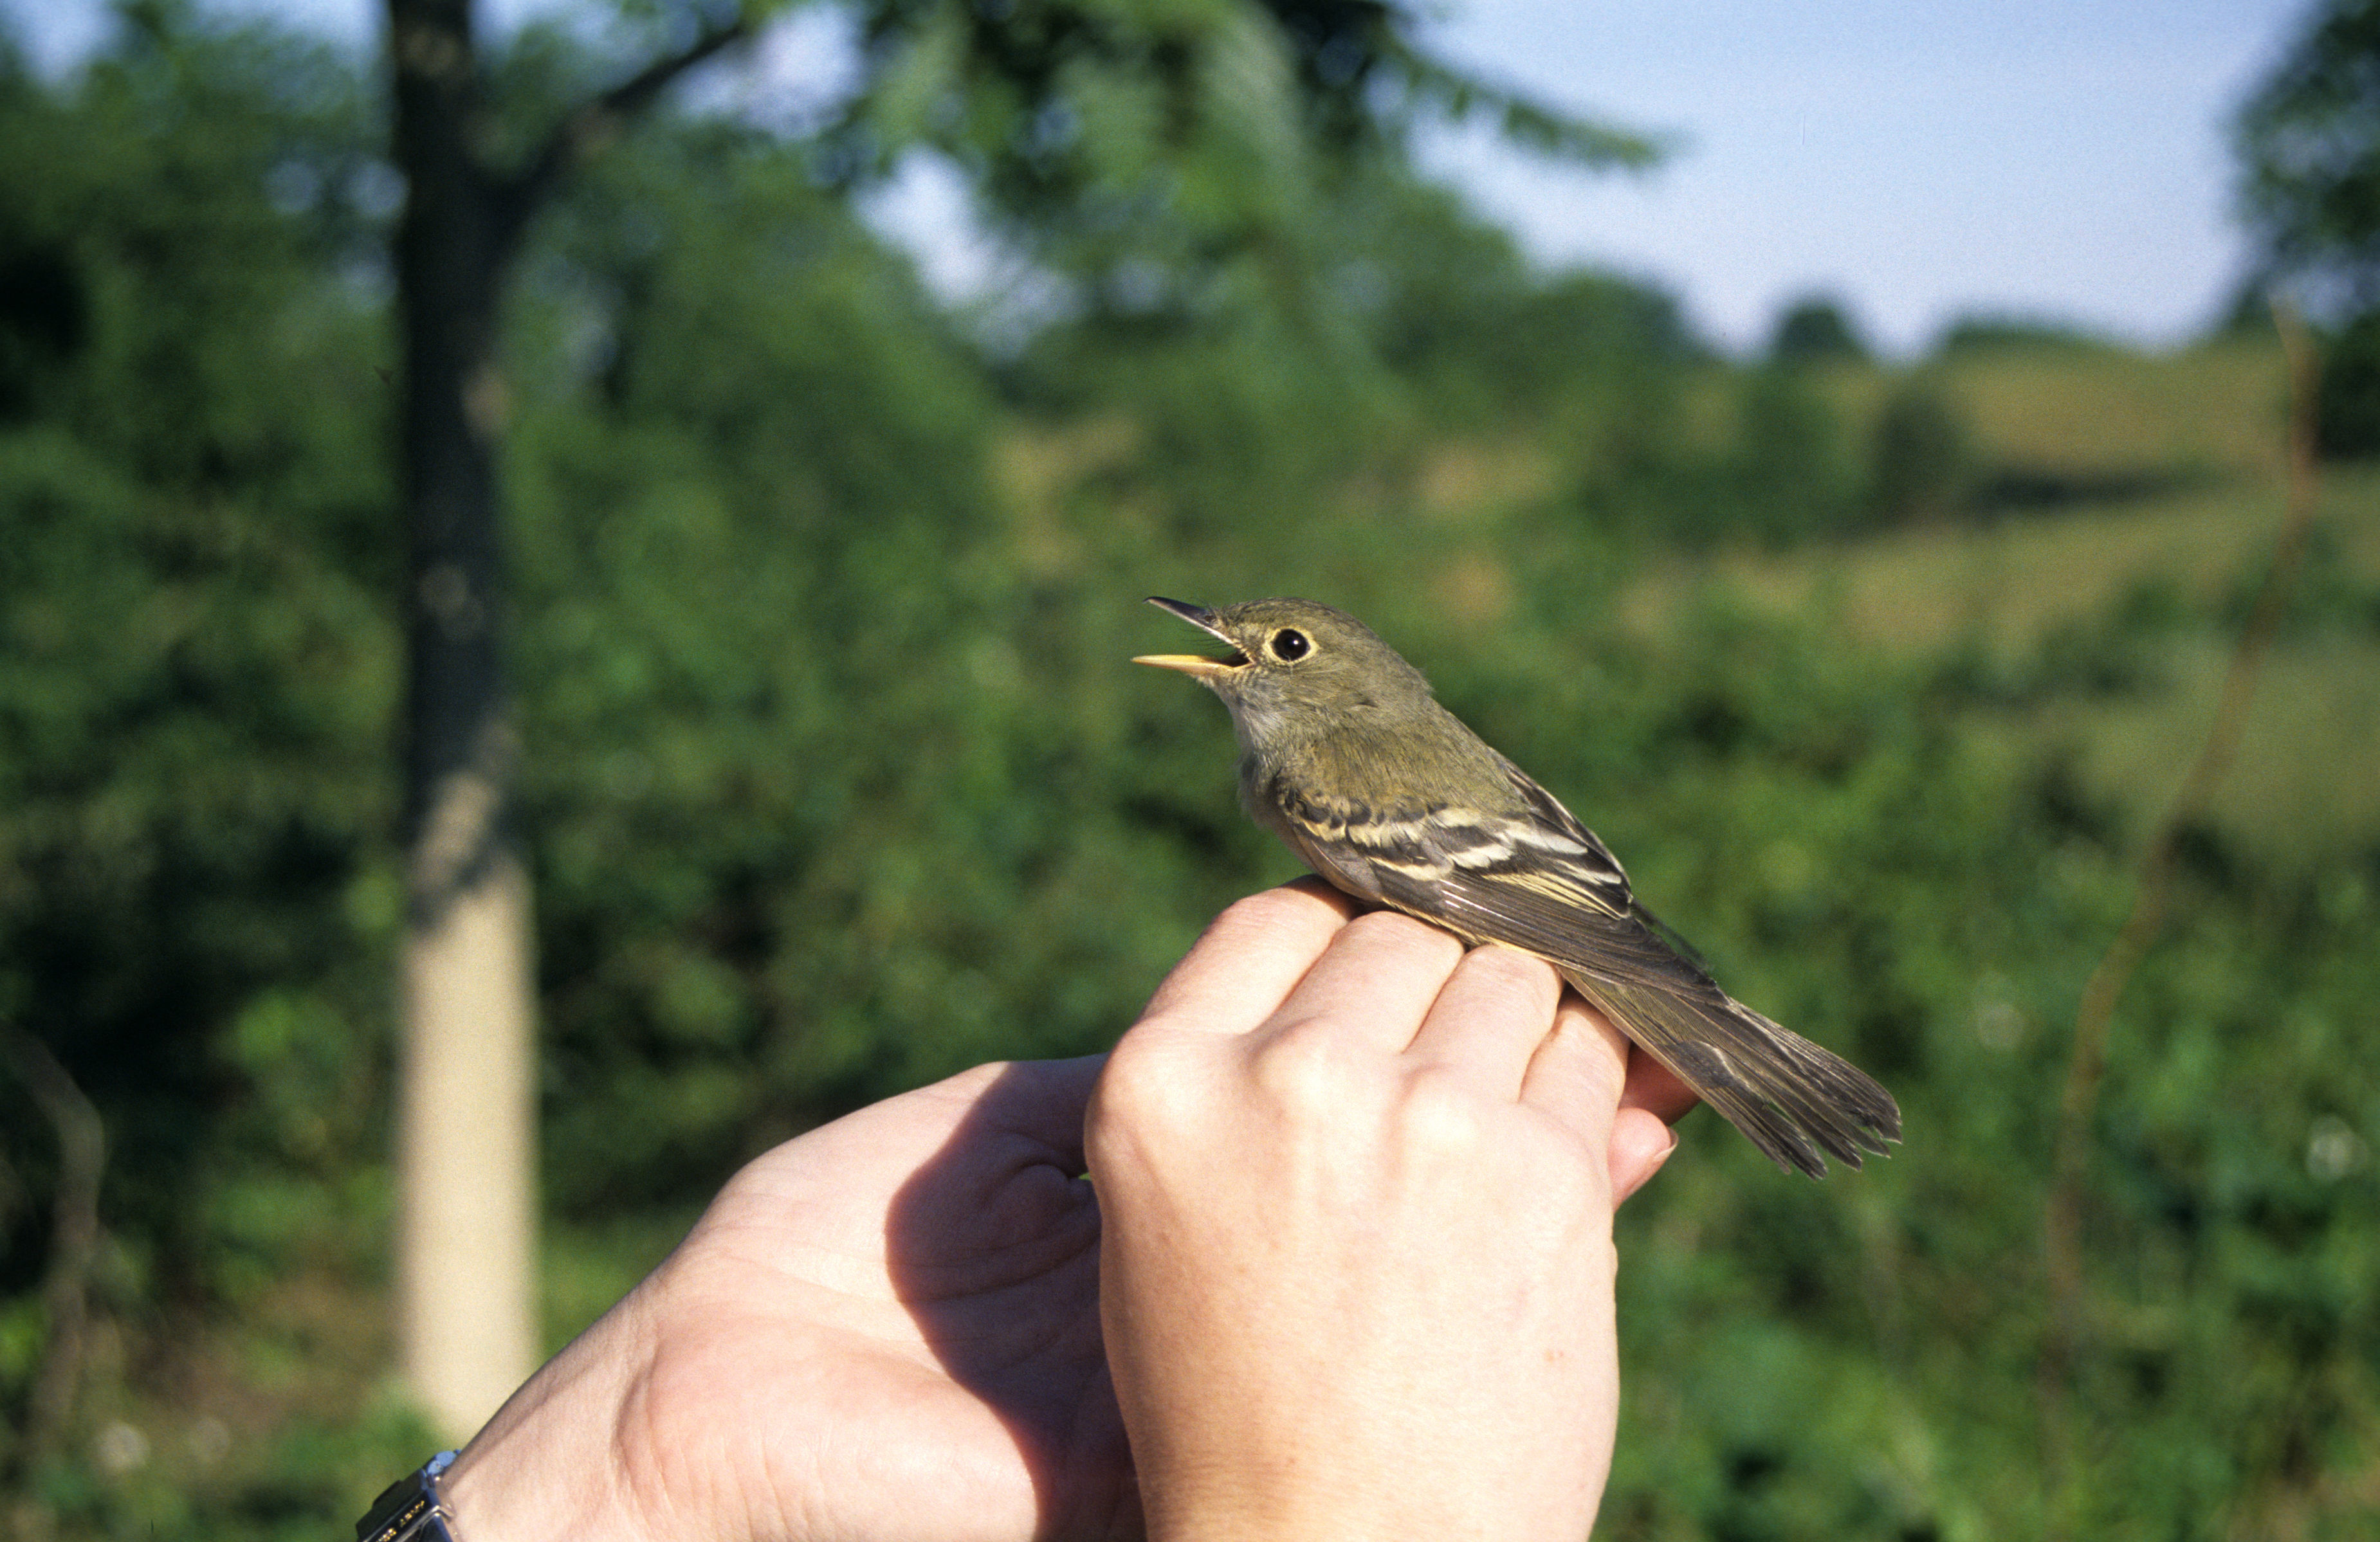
point(467, 1092)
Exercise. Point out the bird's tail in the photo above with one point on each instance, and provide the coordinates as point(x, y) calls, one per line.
point(1788, 1096)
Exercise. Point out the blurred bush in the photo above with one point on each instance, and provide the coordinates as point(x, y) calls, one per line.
point(1813, 328)
point(1989, 333)
point(2348, 427)
point(1922, 462)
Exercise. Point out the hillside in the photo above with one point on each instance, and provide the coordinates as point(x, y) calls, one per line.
point(2177, 471)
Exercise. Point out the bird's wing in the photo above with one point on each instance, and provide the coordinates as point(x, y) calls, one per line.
point(1539, 881)
point(1547, 807)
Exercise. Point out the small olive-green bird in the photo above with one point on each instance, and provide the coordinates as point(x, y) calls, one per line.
point(1346, 755)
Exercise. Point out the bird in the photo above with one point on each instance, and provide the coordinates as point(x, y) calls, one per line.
point(1347, 755)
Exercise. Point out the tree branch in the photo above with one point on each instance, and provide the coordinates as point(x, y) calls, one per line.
point(2062, 1214)
point(593, 123)
point(74, 1241)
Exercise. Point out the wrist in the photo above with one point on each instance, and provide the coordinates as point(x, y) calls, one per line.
point(411, 1509)
point(551, 1464)
point(1257, 1511)
point(1418, 1503)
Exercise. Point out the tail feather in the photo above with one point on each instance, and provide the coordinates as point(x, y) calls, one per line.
point(1788, 1096)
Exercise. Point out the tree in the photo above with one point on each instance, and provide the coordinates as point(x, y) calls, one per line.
point(1815, 328)
point(2309, 145)
point(1919, 460)
point(1101, 119)
point(2346, 413)
point(190, 428)
point(467, 1101)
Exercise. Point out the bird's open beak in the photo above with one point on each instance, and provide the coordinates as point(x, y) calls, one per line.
point(1190, 663)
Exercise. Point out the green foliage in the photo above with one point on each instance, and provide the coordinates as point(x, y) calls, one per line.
point(1796, 470)
point(1449, 306)
point(1973, 334)
point(837, 780)
point(197, 646)
point(1813, 329)
point(780, 748)
point(193, 714)
point(1188, 166)
point(1922, 466)
point(2309, 143)
point(1840, 822)
point(1244, 415)
point(1115, 139)
point(2347, 423)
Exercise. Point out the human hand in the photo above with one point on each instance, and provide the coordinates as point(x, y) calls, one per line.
point(889, 1327)
point(1357, 1272)
point(885, 1329)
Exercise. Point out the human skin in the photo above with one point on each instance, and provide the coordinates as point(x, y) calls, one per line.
point(1351, 1194)
point(1357, 1272)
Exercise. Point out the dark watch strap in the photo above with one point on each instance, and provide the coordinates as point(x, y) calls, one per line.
point(410, 1509)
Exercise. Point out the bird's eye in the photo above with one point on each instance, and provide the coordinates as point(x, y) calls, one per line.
point(1288, 645)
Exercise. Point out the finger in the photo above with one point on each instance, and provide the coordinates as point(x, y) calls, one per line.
point(1578, 1072)
point(1042, 1101)
point(1656, 1089)
point(1249, 959)
point(1033, 1109)
point(1489, 1018)
point(1640, 1144)
point(1374, 984)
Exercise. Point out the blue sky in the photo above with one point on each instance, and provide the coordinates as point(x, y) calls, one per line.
point(2057, 157)
point(2061, 159)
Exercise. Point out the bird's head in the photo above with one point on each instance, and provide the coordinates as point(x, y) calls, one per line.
point(1296, 665)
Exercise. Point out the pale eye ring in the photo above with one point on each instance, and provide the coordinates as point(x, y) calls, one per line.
point(1288, 645)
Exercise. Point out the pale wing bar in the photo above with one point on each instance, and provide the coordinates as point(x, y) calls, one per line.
point(1782, 1091)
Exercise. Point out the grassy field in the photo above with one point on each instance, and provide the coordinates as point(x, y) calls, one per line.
point(2202, 431)
point(2166, 478)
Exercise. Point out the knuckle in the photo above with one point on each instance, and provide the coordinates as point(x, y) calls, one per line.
point(1525, 974)
point(1504, 986)
point(1311, 1066)
point(1150, 1082)
point(1403, 930)
point(1442, 1114)
point(1255, 912)
point(1269, 911)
